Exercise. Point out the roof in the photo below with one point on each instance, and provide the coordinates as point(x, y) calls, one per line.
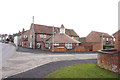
point(82, 39)
point(49, 30)
point(62, 38)
point(117, 32)
point(105, 34)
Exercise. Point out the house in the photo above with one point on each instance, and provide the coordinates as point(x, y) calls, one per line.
point(95, 36)
point(61, 42)
point(82, 39)
point(3, 37)
point(117, 40)
point(41, 37)
point(37, 34)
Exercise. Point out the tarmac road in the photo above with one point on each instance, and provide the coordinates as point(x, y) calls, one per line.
point(26, 60)
point(44, 70)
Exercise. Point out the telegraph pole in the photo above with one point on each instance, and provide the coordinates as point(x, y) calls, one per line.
point(32, 31)
point(53, 41)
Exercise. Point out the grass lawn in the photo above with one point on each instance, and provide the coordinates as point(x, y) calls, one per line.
point(82, 71)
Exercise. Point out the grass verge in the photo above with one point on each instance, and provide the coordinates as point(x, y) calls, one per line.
point(82, 71)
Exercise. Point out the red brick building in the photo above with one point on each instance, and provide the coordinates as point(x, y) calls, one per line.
point(40, 36)
point(61, 42)
point(117, 40)
point(95, 36)
point(37, 34)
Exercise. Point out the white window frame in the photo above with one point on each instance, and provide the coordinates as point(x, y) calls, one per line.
point(68, 45)
point(44, 35)
point(41, 35)
point(106, 39)
point(47, 45)
point(72, 37)
point(56, 44)
point(77, 44)
point(31, 36)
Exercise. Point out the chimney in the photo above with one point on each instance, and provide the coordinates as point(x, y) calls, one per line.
point(23, 30)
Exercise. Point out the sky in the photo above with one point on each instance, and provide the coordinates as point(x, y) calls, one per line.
point(83, 16)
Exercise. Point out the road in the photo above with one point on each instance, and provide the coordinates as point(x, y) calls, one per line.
point(25, 61)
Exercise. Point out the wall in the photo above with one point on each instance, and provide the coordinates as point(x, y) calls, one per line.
point(82, 47)
point(117, 40)
point(109, 61)
point(92, 46)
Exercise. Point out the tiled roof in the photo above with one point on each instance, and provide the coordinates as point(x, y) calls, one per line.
point(82, 39)
point(105, 34)
point(117, 32)
point(62, 38)
point(49, 30)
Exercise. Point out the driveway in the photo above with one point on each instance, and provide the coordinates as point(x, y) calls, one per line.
point(23, 61)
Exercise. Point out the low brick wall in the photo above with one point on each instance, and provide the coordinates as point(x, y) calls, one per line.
point(109, 62)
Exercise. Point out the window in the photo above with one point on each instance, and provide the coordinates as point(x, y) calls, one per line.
point(44, 36)
point(38, 45)
point(72, 37)
point(113, 39)
point(46, 45)
point(77, 44)
point(25, 36)
point(41, 35)
point(68, 45)
point(107, 39)
point(56, 44)
point(30, 36)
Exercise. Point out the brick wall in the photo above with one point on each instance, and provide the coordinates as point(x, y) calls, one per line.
point(92, 46)
point(109, 61)
point(81, 47)
point(117, 40)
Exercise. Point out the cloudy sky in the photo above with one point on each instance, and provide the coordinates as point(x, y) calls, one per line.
point(83, 16)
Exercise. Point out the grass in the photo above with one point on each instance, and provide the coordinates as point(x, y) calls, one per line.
point(82, 71)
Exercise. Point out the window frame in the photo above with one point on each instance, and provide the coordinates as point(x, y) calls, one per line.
point(41, 36)
point(68, 45)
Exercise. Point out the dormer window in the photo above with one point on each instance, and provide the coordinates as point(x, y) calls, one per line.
point(62, 29)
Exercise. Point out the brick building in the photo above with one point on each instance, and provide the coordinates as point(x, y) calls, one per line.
point(95, 36)
point(61, 42)
point(117, 40)
point(37, 34)
point(40, 37)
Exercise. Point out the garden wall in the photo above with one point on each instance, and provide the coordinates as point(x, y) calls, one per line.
point(110, 62)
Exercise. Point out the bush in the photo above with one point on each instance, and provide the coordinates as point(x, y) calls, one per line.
point(108, 46)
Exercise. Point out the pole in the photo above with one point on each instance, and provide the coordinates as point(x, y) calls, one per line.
point(32, 31)
point(53, 41)
point(102, 41)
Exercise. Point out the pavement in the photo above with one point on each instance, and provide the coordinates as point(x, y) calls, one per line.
point(25, 61)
